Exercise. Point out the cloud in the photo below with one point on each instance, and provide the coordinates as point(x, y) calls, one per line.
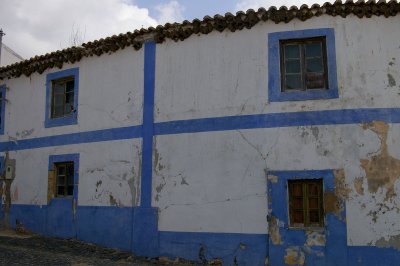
point(170, 12)
point(243, 5)
point(41, 26)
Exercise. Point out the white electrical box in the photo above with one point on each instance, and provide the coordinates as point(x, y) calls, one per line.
point(9, 172)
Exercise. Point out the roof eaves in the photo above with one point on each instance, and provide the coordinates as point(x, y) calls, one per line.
point(182, 31)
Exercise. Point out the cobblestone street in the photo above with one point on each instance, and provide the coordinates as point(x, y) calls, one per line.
point(37, 250)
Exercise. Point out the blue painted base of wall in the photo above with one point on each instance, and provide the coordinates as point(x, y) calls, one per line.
point(135, 229)
point(145, 232)
point(373, 256)
point(105, 226)
point(244, 249)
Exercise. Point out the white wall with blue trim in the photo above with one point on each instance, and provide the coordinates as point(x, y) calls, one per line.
point(226, 74)
point(200, 188)
point(110, 178)
point(110, 96)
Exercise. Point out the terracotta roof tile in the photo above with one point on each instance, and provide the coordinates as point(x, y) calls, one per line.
point(182, 31)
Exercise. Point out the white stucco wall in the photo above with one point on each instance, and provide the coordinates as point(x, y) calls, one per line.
point(8, 56)
point(223, 74)
point(110, 96)
point(109, 173)
point(216, 181)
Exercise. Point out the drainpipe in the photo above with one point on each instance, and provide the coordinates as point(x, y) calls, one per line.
point(1, 42)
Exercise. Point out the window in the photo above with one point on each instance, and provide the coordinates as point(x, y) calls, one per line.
point(62, 102)
point(3, 107)
point(62, 98)
point(64, 179)
point(305, 203)
point(302, 65)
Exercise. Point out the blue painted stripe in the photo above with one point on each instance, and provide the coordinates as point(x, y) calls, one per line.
point(310, 118)
point(73, 138)
point(328, 117)
point(148, 122)
point(232, 248)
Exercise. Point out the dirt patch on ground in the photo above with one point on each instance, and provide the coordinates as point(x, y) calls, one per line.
point(37, 250)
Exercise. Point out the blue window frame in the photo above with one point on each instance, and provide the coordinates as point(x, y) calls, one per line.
point(275, 91)
point(67, 158)
point(62, 98)
point(3, 90)
point(1, 165)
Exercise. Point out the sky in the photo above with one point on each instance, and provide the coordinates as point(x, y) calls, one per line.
point(35, 27)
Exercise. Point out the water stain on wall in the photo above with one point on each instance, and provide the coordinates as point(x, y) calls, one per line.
point(381, 170)
point(334, 201)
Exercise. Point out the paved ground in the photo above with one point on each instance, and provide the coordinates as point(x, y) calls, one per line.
point(35, 250)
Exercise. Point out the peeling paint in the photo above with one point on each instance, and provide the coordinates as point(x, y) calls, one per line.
point(331, 203)
point(51, 186)
point(358, 186)
point(92, 170)
point(160, 187)
point(315, 238)
point(14, 195)
point(315, 132)
point(391, 242)
point(98, 183)
point(273, 178)
point(341, 189)
point(391, 80)
point(25, 133)
point(334, 201)
point(134, 190)
point(381, 170)
point(183, 181)
point(113, 201)
point(294, 256)
point(274, 233)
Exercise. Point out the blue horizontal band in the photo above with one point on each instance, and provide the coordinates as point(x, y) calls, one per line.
point(73, 138)
point(309, 118)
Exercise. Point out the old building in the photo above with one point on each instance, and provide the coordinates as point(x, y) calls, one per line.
point(269, 136)
point(8, 56)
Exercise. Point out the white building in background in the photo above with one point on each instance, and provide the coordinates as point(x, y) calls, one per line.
point(265, 137)
point(8, 56)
